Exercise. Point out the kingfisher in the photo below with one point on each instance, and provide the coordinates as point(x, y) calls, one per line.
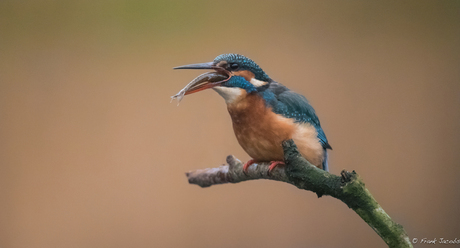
point(264, 112)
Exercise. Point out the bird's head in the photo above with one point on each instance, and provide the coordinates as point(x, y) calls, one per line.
point(234, 75)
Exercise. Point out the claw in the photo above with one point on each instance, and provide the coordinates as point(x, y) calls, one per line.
point(273, 165)
point(247, 164)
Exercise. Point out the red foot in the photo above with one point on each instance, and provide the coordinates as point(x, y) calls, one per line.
point(247, 164)
point(273, 165)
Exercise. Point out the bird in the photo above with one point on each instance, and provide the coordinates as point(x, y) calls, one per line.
point(264, 112)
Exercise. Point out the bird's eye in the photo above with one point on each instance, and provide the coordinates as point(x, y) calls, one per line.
point(234, 66)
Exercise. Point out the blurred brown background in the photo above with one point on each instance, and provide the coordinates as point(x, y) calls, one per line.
point(93, 154)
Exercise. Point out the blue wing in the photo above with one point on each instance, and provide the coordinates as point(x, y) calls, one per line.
point(292, 105)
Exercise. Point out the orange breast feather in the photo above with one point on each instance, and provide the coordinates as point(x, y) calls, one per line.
point(261, 132)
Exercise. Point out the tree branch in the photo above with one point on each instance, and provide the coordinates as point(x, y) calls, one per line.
point(349, 188)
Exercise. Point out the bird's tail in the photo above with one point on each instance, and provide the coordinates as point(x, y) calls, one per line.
point(325, 163)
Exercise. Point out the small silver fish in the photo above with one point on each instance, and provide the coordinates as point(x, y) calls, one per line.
point(202, 82)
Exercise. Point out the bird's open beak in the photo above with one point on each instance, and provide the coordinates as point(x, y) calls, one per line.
point(204, 81)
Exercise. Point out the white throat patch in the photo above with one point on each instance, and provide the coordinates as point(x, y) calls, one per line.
point(230, 94)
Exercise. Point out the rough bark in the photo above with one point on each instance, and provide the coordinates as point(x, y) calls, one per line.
point(349, 188)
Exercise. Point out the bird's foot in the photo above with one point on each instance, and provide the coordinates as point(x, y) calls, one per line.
point(273, 164)
point(247, 164)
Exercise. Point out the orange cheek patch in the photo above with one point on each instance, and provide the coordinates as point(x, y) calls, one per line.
point(246, 74)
